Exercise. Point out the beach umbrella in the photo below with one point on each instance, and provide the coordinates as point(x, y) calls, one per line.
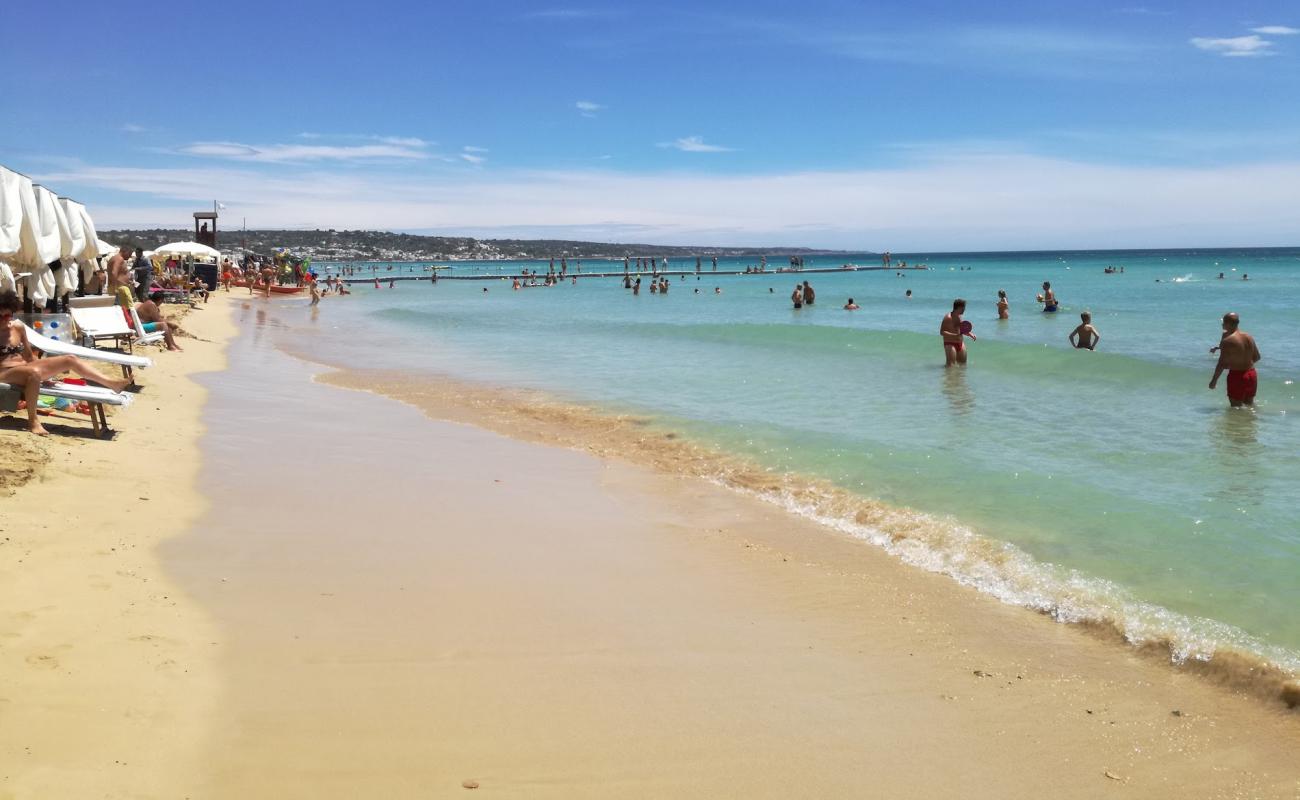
point(69, 242)
point(192, 249)
point(11, 223)
point(11, 214)
point(40, 238)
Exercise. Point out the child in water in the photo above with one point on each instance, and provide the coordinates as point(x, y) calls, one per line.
point(1085, 337)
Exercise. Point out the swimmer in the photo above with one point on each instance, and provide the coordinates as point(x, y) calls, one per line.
point(954, 349)
point(851, 306)
point(717, 290)
point(908, 295)
point(1238, 354)
point(1048, 298)
point(1004, 305)
point(1085, 337)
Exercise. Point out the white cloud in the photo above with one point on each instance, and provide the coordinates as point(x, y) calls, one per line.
point(1040, 203)
point(131, 127)
point(400, 141)
point(587, 108)
point(403, 141)
point(473, 159)
point(694, 144)
point(282, 153)
point(469, 148)
point(1251, 46)
point(1276, 30)
point(569, 13)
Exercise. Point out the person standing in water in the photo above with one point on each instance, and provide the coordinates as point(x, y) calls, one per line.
point(1004, 305)
point(1049, 298)
point(796, 296)
point(1085, 337)
point(1238, 355)
point(809, 296)
point(954, 349)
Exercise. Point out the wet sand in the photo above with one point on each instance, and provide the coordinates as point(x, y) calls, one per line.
point(406, 604)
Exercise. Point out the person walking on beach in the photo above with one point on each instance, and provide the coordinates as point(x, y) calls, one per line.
point(1238, 354)
point(1004, 305)
point(952, 329)
point(796, 296)
point(809, 296)
point(1084, 337)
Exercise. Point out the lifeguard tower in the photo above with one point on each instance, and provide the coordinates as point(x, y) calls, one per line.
point(205, 228)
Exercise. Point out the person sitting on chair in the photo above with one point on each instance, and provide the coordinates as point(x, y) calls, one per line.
point(152, 319)
point(20, 367)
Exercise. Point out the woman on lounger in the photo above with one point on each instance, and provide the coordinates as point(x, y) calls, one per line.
point(19, 366)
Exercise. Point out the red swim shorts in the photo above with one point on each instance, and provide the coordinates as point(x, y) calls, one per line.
point(958, 345)
point(1241, 385)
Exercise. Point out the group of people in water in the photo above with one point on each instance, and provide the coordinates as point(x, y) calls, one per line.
point(1237, 350)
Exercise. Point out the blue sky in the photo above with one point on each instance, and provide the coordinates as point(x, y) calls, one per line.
point(922, 125)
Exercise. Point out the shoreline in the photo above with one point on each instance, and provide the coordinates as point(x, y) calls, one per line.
point(540, 620)
point(548, 622)
point(109, 668)
point(912, 539)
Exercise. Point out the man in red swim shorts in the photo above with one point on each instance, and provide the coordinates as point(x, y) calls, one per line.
point(1238, 355)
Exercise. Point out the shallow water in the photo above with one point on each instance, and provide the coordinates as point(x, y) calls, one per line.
point(1117, 474)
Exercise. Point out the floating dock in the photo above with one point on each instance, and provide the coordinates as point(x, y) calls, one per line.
point(383, 277)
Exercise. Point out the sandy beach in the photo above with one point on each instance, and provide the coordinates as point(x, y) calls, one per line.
point(109, 676)
point(332, 592)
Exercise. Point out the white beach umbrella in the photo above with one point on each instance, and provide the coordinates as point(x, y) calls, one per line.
point(11, 215)
point(193, 249)
point(11, 223)
point(103, 248)
point(40, 238)
point(85, 248)
point(68, 240)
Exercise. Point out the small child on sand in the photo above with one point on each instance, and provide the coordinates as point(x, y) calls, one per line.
point(1085, 336)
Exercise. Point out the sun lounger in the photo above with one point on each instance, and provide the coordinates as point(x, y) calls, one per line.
point(56, 348)
point(99, 318)
point(96, 396)
point(141, 336)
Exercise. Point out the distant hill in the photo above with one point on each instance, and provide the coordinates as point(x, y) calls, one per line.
point(326, 245)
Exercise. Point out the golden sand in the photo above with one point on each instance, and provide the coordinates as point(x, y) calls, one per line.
point(108, 669)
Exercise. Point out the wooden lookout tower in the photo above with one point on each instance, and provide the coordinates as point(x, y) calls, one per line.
point(205, 228)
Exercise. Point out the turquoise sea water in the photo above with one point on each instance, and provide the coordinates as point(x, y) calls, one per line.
point(1127, 489)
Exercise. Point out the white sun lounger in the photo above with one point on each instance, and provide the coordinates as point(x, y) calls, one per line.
point(96, 396)
point(140, 336)
point(57, 348)
point(101, 320)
